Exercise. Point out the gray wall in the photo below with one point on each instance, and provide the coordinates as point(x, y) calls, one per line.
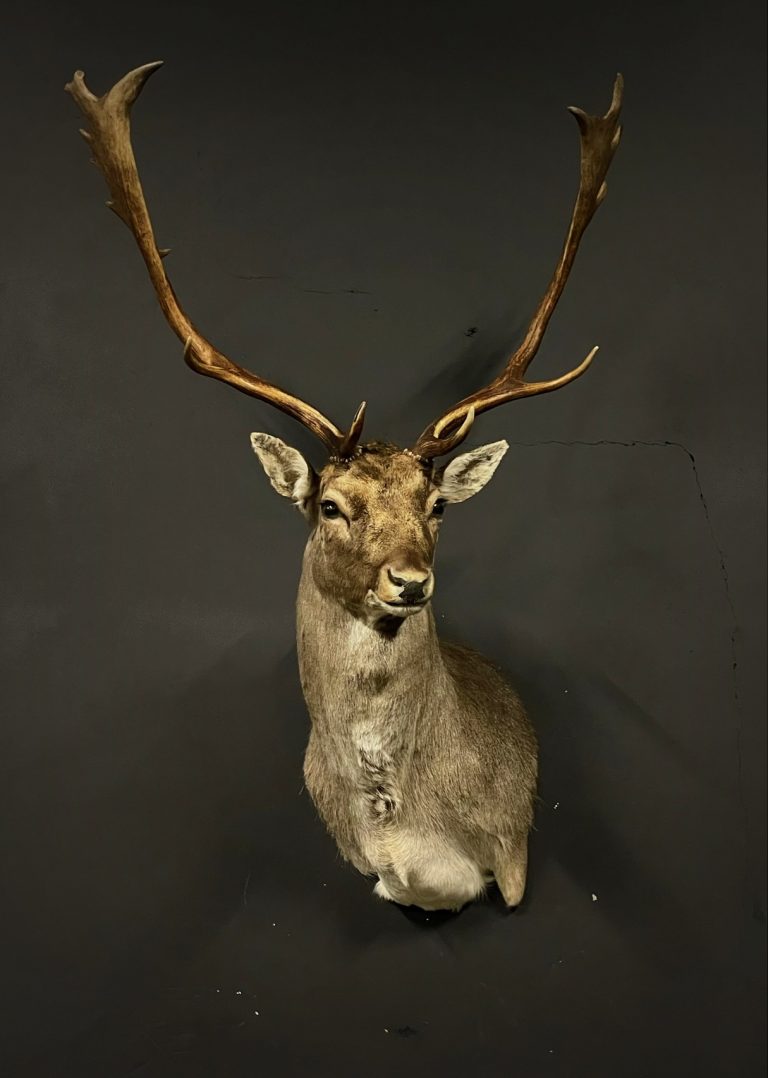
point(366, 201)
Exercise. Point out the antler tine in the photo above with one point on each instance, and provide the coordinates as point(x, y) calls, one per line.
point(109, 136)
point(599, 137)
point(353, 437)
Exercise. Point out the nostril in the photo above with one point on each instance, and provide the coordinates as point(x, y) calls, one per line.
point(413, 590)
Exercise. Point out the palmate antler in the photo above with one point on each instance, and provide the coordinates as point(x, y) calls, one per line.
point(599, 138)
point(109, 136)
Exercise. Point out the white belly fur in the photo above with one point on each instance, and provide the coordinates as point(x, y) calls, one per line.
point(414, 868)
point(424, 870)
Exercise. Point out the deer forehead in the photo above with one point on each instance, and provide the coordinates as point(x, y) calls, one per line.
point(379, 483)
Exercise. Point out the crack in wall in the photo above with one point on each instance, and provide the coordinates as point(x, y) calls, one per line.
point(726, 582)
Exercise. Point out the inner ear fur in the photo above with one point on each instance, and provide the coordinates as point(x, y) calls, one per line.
point(468, 473)
point(287, 470)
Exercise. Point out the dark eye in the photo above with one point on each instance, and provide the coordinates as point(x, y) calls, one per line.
point(438, 508)
point(329, 509)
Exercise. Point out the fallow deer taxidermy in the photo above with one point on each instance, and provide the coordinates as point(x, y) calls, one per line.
point(421, 759)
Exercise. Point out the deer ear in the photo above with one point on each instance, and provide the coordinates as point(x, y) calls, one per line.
point(468, 473)
point(286, 469)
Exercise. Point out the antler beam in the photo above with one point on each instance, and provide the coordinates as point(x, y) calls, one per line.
point(109, 136)
point(599, 138)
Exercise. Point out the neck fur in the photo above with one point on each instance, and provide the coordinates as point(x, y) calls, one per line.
point(353, 673)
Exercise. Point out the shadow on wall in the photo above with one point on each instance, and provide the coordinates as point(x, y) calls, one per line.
point(139, 833)
point(612, 782)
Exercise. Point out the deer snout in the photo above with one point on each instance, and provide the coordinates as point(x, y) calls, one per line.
point(412, 590)
point(405, 585)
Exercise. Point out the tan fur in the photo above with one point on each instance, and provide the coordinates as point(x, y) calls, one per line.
point(421, 760)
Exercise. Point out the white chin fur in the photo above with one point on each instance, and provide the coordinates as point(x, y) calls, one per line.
point(374, 603)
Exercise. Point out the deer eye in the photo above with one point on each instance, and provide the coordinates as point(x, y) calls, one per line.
point(438, 508)
point(329, 509)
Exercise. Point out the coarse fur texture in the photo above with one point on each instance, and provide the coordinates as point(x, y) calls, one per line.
point(421, 760)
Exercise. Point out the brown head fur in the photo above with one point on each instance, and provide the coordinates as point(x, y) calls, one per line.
point(375, 518)
point(376, 548)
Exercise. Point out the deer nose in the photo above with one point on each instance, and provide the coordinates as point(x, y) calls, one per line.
point(412, 586)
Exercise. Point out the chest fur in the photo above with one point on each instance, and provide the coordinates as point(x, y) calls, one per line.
point(376, 767)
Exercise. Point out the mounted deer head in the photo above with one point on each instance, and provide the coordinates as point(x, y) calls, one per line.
point(376, 518)
point(421, 760)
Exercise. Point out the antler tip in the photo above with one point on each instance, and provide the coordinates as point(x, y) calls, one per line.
point(346, 443)
point(583, 118)
point(580, 116)
point(146, 69)
point(587, 360)
point(130, 86)
point(462, 431)
point(76, 88)
point(618, 96)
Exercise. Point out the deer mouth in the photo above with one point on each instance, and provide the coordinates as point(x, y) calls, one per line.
point(400, 609)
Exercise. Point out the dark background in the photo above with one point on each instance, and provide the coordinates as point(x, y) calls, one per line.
point(367, 201)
